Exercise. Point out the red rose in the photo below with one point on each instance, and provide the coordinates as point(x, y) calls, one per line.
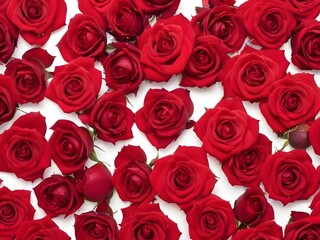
point(123, 68)
point(166, 48)
point(3, 7)
point(305, 45)
point(8, 98)
point(314, 135)
point(71, 146)
point(15, 208)
point(58, 195)
point(211, 216)
point(84, 37)
point(268, 230)
point(294, 100)
point(250, 75)
point(306, 228)
point(36, 20)
point(43, 228)
point(269, 24)
point(214, 3)
point(315, 205)
point(224, 22)
point(227, 129)
point(184, 177)
point(164, 115)
point(207, 59)
point(131, 176)
point(75, 86)
point(147, 221)
point(304, 9)
point(163, 9)
point(252, 208)
point(110, 117)
point(244, 168)
point(289, 176)
point(25, 151)
point(92, 226)
point(9, 35)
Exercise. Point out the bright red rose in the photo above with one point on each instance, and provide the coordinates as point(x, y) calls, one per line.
point(184, 177)
point(306, 228)
point(315, 205)
point(164, 115)
point(36, 20)
point(269, 24)
point(93, 226)
point(163, 8)
point(58, 195)
point(166, 48)
point(295, 99)
point(8, 98)
point(15, 208)
point(75, 86)
point(305, 45)
point(9, 37)
point(289, 176)
point(43, 228)
point(206, 61)
point(227, 129)
point(224, 22)
point(70, 145)
point(304, 9)
point(110, 117)
point(211, 216)
point(25, 151)
point(314, 135)
point(3, 7)
point(147, 221)
point(131, 176)
point(250, 75)
point(84, 37)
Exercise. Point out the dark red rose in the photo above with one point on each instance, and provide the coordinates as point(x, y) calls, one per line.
point(25, 151)
point(166, 48)
point(9, 37)
point(164, 115)
point(211, 216)
point(92, 226)
point(70, 145)
point(214, 3)
point(84, 37)
point(36, 20)
point(314, 135)
point(75, 86)
point(8, 98)
point(305, 45)
point(252, 208)
point(268, 230)
point(184, 177)
point(95, 183)
point(207, 59)
point(110, 117)
point(315, 205)
point(163, 8)
point(227, 129)
point(269, 24)
point(123, 68)
point(244, 168)
point(306, 228)
point(250, 75)
point(224, 22)
point(147, 221)
point(15, 208)
point(43, 228)
point(289, 176)
point(298, 136)
point(294, 100)
point(131, 176)
point(58, 195)
point(125, 20)
point(304, 9)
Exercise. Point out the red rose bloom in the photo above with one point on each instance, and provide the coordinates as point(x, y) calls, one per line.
point(306, 228)
point(226, 129)
point(58, 195)
point(8, 98)
point(9, 35)
point(314, 135)
point(294, 100)
point(214, 3)
point(43, 228)
point(304, 9)
point(15, 208)
point(163, 9)
point(147, 221)
point(25, 151)
point(315, 205)
point(269, 24)
point(166, 48)
point(289, 176)
point(36, 20)
point(164, 115)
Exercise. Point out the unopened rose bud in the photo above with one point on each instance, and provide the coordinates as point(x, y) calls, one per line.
point(298, 138)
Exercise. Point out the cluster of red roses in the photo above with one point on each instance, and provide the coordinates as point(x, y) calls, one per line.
point(200, 50)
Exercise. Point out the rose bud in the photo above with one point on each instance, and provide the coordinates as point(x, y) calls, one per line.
point(95, 183)
point(298, 137)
